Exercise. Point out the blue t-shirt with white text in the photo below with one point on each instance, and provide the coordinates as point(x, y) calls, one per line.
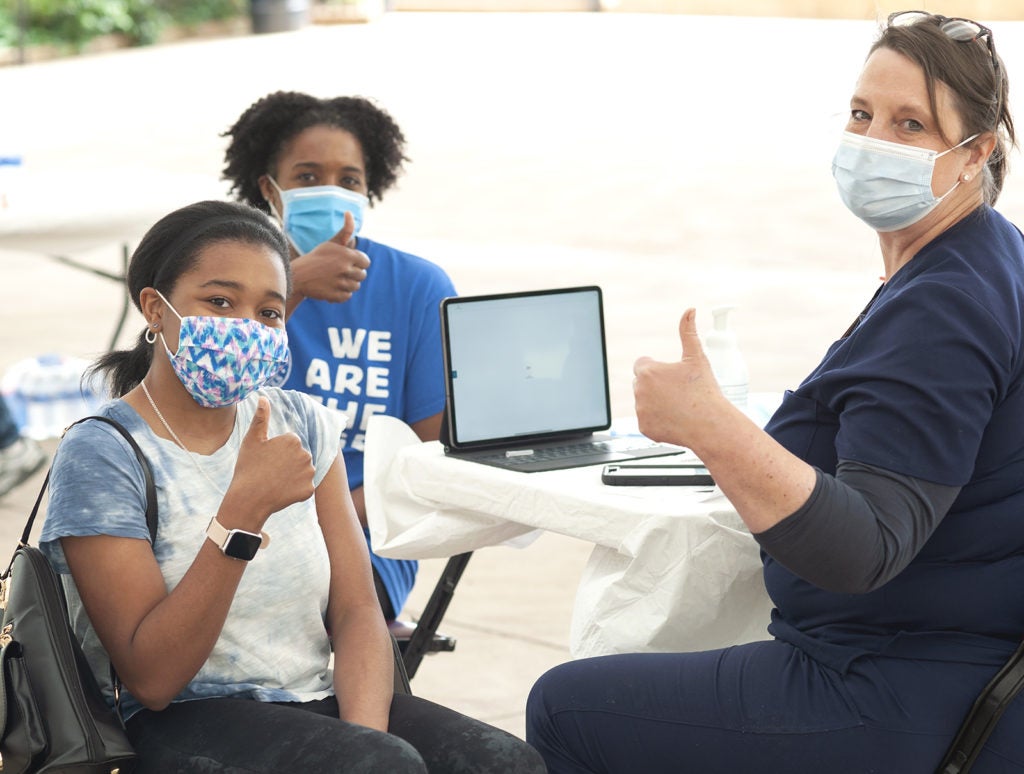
point(377, 353)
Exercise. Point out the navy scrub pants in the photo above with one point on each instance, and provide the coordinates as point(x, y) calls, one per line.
point(762, 708)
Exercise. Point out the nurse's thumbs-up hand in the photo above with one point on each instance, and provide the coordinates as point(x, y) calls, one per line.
point(677, 402)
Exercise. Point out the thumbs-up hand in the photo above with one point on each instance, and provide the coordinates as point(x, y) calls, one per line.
point(334, 270)
point(346, 235)
point(270, 473)
point(674, 401)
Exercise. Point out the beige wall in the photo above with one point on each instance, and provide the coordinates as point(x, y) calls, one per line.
point(493, 5)
point(983, 10)
point(838, 9)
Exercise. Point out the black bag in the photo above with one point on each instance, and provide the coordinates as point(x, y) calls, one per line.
point(53, 717)
point(981, 720)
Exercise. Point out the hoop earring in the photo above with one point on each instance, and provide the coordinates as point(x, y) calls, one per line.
point(151, 335)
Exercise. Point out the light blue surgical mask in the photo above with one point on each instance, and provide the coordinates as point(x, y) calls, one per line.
point(315, 214)
point(886, 184)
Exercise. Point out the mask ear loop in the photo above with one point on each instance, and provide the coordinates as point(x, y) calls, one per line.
point(270, 202)
point(168, 304)
point(963, 178)
point(280, 217)
point(180, 318)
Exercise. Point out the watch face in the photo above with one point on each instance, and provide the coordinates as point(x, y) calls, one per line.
point(242, 545)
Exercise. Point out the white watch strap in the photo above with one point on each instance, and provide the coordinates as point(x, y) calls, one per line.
point(218, 533)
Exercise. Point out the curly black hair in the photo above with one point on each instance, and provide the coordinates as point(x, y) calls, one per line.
point(260, 133)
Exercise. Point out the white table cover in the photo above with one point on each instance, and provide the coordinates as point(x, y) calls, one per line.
point(673, 568)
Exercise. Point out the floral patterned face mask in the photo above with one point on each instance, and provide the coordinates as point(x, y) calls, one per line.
point(223, 360)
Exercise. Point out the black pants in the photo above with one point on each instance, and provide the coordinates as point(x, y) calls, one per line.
point(241, 735)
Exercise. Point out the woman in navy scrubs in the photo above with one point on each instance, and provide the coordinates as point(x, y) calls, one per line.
point(887, 493)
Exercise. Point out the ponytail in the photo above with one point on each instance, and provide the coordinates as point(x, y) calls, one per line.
point(123, 370)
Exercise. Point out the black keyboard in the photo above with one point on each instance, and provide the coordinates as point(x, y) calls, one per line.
point(574, 450)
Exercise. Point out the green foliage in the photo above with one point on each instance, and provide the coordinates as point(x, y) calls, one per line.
point(191, 13)
point(73, 23)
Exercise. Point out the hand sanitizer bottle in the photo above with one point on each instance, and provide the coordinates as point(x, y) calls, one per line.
point(727, 361)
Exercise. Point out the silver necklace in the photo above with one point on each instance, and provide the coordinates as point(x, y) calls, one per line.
point(177, 440)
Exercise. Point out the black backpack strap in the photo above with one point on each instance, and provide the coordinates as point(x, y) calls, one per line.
point(981, 720)
point(147, 472)
point(151, 521)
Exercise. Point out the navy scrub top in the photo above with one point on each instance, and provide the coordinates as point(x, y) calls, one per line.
point(927, 385)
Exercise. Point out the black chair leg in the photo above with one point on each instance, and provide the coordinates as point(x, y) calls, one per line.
point(420, 642)
point(401, 677)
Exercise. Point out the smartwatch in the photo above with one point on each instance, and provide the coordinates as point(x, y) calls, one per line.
point(236, 543)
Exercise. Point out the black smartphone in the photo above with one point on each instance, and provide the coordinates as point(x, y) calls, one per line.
point(634, 474)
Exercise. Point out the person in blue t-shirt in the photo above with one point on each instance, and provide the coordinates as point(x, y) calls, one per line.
point(363, 317)
point(886, 493)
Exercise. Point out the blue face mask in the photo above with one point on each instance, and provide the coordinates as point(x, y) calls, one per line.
point(886, 184)
point(313, 215)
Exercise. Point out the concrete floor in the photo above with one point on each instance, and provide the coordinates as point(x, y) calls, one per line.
point(674, 160)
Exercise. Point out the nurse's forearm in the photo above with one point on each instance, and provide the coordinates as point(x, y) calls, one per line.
point(763, 481)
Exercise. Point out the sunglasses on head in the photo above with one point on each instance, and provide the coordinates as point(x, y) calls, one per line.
point(953, 27)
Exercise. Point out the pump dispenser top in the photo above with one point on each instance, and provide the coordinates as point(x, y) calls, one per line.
point(727, 363)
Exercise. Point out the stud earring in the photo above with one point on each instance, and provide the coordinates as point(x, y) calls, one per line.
point(966, 177)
